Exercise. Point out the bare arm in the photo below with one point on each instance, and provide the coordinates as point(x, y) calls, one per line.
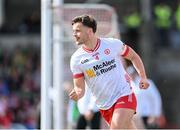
point(79, 89)
point(138, 65)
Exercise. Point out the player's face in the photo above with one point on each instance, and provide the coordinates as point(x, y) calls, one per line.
point(80, 33)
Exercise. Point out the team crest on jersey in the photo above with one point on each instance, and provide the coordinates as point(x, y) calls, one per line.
point(107, 51)
point(96, 55)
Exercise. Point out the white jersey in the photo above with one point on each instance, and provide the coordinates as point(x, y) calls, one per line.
point(103, 71)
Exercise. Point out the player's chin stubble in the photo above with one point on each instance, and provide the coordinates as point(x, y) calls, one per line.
point(79, 43)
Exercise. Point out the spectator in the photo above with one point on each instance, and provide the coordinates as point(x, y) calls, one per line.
point(133, 22)
point(149, 106)
point(177, 16)
point(31, 23)
point(163, 23)
point(5, 115)
point(175, 34)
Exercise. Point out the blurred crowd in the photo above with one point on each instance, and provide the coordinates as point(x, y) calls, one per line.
point(19, 87)
point(165, 23)
point(28, 24)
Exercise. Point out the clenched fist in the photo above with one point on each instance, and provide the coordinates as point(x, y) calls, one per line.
point(73, 95)
point(143, 84)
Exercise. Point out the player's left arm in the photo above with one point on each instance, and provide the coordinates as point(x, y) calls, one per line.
point(130, 54)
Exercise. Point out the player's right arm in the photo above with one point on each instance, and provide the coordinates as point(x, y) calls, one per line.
point(78, 79)
point(79, 89)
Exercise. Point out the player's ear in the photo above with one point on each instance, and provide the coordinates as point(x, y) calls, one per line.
point(89, 31)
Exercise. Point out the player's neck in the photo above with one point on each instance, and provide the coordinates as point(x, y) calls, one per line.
point(91, 44)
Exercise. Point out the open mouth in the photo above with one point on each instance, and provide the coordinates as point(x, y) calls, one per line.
point(77, 38)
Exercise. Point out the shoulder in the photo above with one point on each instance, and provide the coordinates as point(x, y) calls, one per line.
point(77, 55)
point(111, 40)
point(78, 52)
point(115, 44)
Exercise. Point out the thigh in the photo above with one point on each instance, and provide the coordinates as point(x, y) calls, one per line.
point(128, 103)
point(124, 109)
point(122, 118)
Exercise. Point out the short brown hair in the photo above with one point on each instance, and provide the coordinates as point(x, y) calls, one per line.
point(86, 20)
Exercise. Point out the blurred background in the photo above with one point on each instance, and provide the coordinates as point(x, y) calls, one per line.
point(151, 27)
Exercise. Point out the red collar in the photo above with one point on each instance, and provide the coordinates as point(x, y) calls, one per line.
point(92, 50)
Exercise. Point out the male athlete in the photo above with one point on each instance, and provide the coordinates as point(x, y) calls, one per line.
point(98, 64)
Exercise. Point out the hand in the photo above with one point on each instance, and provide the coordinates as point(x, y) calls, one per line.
point(88, 115)
point(143, 83)
point(73, 95)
